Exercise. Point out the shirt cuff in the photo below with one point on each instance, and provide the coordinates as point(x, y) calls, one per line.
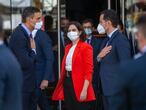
point(98, 59)
point(34, 50)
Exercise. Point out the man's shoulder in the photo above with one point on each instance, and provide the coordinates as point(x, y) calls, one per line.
point(134, 65)
point(7, 56)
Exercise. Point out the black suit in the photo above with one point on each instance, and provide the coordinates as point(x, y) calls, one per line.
point(54, 38)
point(129, 86)
point(96, 43)
point(10, 81)
point(20, 45)
point(44, 66)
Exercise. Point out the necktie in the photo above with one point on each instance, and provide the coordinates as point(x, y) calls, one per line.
point(30, 36)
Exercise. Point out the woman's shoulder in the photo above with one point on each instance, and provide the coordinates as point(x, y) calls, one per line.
point(86, 45)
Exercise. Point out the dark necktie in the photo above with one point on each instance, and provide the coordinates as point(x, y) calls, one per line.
point(30, 36)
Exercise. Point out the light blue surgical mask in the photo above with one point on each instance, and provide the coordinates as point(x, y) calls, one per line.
point(88, 31)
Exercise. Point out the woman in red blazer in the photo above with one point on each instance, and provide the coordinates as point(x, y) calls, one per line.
point(75, 84)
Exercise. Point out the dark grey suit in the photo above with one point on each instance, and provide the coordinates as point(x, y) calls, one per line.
point(10, 81)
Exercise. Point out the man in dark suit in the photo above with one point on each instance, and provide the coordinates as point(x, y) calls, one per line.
point(10, 78)
point(95, 43)
point(129, 90)
point(114, 50)
point(44, 67)
point(23, 46)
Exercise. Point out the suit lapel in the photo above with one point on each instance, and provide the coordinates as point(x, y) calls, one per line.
point(112, 37)
point(24, 31)
point(25, 34)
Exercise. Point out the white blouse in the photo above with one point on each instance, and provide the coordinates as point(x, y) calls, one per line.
point(68, 64)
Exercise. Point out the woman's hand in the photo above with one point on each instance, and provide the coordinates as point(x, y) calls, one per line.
point(83, 95)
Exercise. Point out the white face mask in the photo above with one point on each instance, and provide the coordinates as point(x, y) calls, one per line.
point(73, 36)
point(88, 31)
point(38, 25)
point(100, 29)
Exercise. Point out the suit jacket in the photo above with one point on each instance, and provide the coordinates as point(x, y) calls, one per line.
point(10, 81)
point(120, 52)
point(44, 57)
point(129, 90)
point(82, 68)
point(20, 46)
point(96, 43)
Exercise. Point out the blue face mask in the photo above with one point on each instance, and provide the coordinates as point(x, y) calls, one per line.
point(88, 31)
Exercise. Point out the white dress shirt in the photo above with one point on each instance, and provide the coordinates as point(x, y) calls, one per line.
point(68, 65)
point(110, 35)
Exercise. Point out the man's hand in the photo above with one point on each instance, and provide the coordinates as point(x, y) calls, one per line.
point(44, 84)
point(104, 51)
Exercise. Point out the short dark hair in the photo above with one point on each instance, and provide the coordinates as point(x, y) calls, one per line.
point(88, 21)
point(110, 15)
point(28, 12)
point(141, 24)
point(79, 27)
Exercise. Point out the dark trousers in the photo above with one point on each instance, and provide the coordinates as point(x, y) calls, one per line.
point(29, 101)
point(42, 100)
point(70, 100)
point(98, 103)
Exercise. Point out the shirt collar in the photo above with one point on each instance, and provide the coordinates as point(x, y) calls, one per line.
point(110, 35)
point(26, 28)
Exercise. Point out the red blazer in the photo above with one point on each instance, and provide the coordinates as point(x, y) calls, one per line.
point(82, 68)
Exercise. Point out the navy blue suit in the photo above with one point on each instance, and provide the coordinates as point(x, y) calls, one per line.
point(10, 81)
point(20, 46)
point(120, 52)
point(129, 86)
point(96, 43)
point(44, 66)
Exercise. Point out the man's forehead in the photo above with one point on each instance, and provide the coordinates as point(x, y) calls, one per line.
point(87, 23)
